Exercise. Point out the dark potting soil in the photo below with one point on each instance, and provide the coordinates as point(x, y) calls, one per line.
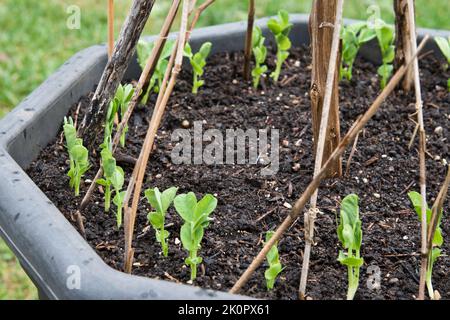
point(382, 172)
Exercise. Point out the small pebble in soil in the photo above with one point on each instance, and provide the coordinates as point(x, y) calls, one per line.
point(296, 167)
point(405, 238)
point(377, 195)
point(393, 280)
point(287, 205)
point(438, 131)
point(185, 124)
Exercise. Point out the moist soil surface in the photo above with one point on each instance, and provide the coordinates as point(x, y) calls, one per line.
point(382, 172)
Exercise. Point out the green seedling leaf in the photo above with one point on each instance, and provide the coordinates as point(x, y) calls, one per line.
point(113, 178)
point(350, 235)
point(196, 219)
point(280, 28)
point(385, 36)
point(78, 155)
point(161, 203)
point(273, 260)
point(260, 54)
point(144, 50)
point(353, 37)
point(198, 63)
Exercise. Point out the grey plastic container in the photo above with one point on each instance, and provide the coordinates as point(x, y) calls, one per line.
point(50, 250)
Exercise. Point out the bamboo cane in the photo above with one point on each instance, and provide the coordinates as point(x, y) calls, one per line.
point(422, 148)
point(135, 184)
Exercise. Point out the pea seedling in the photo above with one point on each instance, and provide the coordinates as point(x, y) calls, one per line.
point(260, 53)
point(444, 45)
point(78, 155)
point(353, 37)
point(385, 36)
point(281, 29)
point(198, 63)
point(438, 240)
point(196, 219)
point(275, 266)
point(113, 177)
point(118, 105)
point(144, 49)
point(350, 234)
point(160, 202)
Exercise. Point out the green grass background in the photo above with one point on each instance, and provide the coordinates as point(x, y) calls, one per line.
point(35, 41)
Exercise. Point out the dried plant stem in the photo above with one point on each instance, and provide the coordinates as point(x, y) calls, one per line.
point(331, 76)
point(146, 74)
point(248, 39)
point(436, 211)
point(110, 27)
point(136, 180)
point(422, 148)
point(314, 184)
point(352, 154)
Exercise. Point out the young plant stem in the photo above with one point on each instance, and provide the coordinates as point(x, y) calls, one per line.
point(324, 122)
point(193, 266)
point(314, 184)
point(248, 40)
point(135, 183)
point(422, 148)
point(110, 28)
point(146, 74)
point(107, 198)
point(115, 70)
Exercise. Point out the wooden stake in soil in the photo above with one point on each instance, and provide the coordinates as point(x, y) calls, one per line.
point(249, 39)
point(403, 28)
point(321, 25)
point(115, 69)
point(326, 117)
point(135, 183)
point(314, 184)
point(145, 75)
point(110, 27)
point(422, 146)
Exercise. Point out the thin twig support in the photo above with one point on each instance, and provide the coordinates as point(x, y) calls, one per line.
point(110, 28)
point(422, 148)
point(314, 184)
point(249, 39)
point(146, 74)
point(136, 180)
point(310, 215)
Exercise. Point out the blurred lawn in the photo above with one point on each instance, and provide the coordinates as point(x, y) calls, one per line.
point(34, 41)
